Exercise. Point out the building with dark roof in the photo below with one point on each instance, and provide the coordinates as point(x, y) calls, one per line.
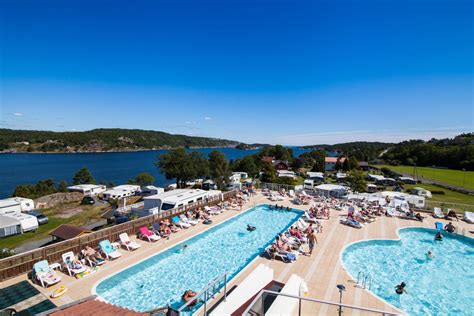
point(66, 231)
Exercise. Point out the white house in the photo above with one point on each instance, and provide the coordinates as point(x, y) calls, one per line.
point(121, 191)
point(331, 190)
point(286, 173)
point(176, 198)
point(88, 189)
point(330, 163)
point(26, 204)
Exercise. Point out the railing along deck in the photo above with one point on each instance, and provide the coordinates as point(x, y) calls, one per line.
point(23, 263)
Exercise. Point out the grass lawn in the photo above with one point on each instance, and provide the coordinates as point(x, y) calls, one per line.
point(448, 197)
point(454, 177)
point(89, 213)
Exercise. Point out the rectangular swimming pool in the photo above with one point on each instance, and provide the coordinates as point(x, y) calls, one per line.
point(228, 247)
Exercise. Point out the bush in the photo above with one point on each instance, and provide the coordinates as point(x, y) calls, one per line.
point(437, 192)
point(5, 252)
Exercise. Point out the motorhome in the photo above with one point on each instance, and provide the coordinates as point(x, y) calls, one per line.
point(176, 198)
point(27, 222)
point(9, 206)
point(88, 189)
point(121, 191)
point(308, 184)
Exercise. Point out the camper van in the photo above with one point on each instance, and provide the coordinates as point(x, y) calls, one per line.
point(176, 198)
point(308, 184)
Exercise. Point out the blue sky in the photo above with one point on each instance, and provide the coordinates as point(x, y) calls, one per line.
point(290, 72)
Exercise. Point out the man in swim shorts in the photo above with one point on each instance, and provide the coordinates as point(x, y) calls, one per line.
point(312, 241)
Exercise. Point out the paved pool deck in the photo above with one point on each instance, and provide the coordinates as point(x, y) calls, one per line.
point(322, 271)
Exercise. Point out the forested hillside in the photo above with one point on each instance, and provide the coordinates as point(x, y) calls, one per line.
point(101, 140)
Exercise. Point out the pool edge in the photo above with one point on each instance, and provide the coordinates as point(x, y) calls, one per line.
point(397, 232)
point(238, 212)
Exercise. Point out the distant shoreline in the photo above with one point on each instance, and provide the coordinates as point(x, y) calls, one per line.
point(113, 151)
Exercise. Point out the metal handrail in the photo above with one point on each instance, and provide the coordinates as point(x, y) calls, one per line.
point(210, 285)
point(301, 298)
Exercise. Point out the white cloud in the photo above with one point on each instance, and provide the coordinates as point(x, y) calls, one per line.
point(18, 114)
point(208, 118)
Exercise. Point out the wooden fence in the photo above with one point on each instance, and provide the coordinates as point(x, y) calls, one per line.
point(23, 263)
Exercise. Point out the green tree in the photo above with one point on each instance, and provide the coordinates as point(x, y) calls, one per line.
point(246, 164)
point(62, 187)
point(201, 164)
point(268, 173)
point(338, 165)
point(353, 163)
point(23, 190)
point(346, 165)
point(177, 164)
point(356, 180)
point(83, 176)
point(142, 179)
point(318, 156)
point(219, 168)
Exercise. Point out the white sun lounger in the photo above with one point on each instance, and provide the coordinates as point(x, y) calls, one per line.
point(212, 211)
point(43, 273)
point(469, 217)
point(284, 305)
point(251, 285)
point(72, 265)
point(438, 213)
point(127, 243)
point(185, 219)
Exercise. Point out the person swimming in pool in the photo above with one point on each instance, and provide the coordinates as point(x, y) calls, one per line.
point(189, 295)
point(429, 255)
point(251, 228)
point(439, 236)
point(400, 288)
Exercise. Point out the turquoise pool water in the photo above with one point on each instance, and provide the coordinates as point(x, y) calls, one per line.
point(228, 247)
point(443, 285)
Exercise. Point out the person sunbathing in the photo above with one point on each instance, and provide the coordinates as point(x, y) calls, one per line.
point(92, 255)
point(295, 232)
point(419, 217)
point(281, 245)
point(165, 231)
point(73, 264)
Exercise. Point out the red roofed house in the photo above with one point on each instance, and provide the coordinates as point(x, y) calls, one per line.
point(280, 165)
point(330, 163)
point(268, 159)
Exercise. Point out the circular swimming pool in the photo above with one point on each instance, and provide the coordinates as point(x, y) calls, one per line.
point(443, 285)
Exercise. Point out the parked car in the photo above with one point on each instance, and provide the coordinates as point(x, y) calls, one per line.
point(121, 219)
point(42, 219)
point(87, 200)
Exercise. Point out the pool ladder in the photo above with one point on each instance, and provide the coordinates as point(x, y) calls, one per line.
point(364, 280)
